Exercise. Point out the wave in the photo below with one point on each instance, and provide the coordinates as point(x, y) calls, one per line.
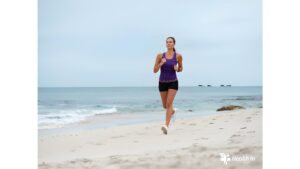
point(246, 98)
point(105, 111)
point(59, 118)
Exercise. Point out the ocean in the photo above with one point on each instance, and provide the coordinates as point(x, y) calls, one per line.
point(61, 106)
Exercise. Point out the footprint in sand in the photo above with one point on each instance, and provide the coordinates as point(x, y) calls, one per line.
point(195, 144)
point(211, 123)
point(244, 151)
point(115, 157)
point(99, 144)
point(235, 135)
point(86, 160)
point(44, 165)
point(243, 127)
point(72, 162)
point(204, 138)
point(231, 141)
point(221, 128)
point(117, 136)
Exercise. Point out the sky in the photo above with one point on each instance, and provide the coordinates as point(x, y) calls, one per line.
point(97, 43)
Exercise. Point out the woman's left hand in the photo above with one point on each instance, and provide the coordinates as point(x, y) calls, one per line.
point(176, 68)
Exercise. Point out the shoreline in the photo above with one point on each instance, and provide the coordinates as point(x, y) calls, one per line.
point(198, 140)
point(109, 121)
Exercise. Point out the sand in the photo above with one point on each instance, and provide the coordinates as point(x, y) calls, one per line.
point(190, 144)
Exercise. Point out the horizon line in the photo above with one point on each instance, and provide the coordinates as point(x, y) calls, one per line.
point(147, 86)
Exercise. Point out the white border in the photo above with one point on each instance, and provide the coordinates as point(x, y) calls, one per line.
point(281, 84)
point(18, 91)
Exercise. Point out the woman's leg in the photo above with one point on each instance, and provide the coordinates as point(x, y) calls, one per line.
point(163, 96)
point(169, 105)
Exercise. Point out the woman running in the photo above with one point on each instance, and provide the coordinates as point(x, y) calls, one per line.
point(169, 63)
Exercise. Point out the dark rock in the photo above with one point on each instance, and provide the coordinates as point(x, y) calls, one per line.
point(231, 107)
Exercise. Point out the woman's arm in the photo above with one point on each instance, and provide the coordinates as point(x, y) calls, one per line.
point(179, 68)
point(158, 63)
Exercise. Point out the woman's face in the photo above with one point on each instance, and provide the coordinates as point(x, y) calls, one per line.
point(170, 43)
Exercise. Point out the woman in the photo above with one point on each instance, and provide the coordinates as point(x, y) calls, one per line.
point(169, 63)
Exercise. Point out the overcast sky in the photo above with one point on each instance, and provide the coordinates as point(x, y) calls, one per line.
point(115, 42)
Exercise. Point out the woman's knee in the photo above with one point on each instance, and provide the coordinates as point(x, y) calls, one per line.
point(168, 105)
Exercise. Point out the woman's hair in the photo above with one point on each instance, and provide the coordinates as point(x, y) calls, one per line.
point(173, 41)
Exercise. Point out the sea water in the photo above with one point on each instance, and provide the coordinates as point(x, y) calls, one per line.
point(60, 106)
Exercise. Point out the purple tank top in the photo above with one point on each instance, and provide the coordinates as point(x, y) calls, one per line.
point(167, 72)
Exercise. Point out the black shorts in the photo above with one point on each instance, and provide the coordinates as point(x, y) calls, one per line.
point(164, 86)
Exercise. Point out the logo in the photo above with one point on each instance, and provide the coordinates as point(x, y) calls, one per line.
point(225, 158)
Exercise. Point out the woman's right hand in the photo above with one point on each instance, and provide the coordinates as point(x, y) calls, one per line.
point(159, 61)
point(163, 60)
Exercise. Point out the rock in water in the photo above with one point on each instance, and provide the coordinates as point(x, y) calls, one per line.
point(231, 107)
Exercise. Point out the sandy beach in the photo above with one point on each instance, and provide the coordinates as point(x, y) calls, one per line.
point(190, 144)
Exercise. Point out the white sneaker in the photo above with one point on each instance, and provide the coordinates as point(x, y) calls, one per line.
point(164, 128)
